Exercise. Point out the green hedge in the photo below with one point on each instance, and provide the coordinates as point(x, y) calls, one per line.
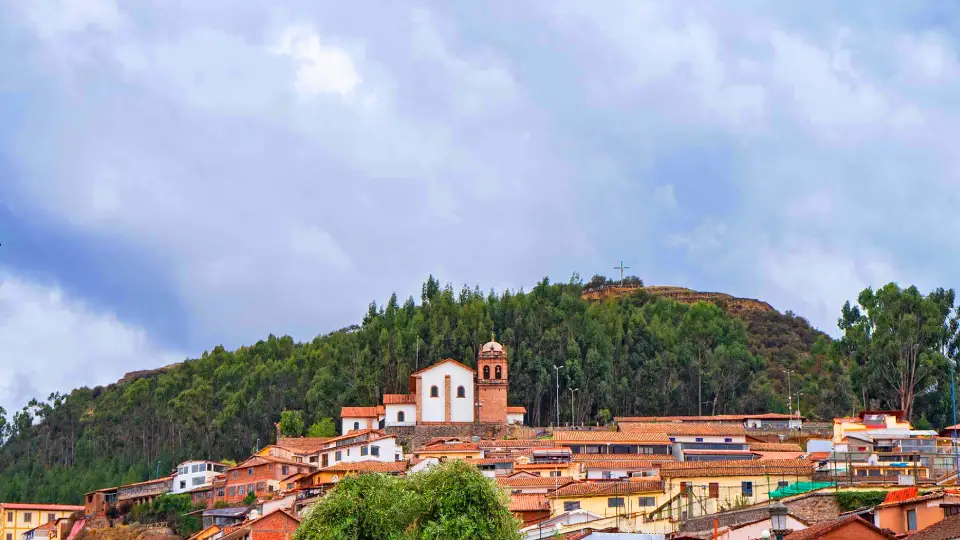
point(851, 500)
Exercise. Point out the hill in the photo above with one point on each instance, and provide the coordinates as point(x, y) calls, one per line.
point(641, 353)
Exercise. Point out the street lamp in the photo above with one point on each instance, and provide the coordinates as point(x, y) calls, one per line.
point(573, 421)
point(557, 370)
point(789, 372)
point(778, 520)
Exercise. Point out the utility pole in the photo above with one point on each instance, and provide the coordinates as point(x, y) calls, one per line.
point(621, 268)
point(557, 370)
point(789, 372)
point(573, 421)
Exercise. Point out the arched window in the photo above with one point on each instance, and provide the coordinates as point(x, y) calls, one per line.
point(461, 392)
point(499, 372)
point(401, 417)
point(486, 372)
point(356, 426)
point(434, 391)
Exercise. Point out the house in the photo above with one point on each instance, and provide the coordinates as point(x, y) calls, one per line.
point(528, 483)
point(906, 511)
point(618, 469)
point(97, 502)
point(277, 525)
point(204, 494)
point(769, 421)
point(363, 445)
point(43, 532)
point(699, 488)
point(257, 474)
point(613, 442)
point(334, 473)
point(298, 449)
point(19, 518)
point(224, 517)
point(547, 462)
point(193, 474)
point(144, 492)
point(752, 530)
point(447, 392)
point(946, 529)
point(699, 442)
point(845, 528)
point(529, 508)
point(450, 450)
point(625, 497)
point(550, 527)
point(208, 533)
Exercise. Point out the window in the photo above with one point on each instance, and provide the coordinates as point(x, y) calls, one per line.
point(241, 490)
point(554, 474)
point(183, 484)
point(401, 417)
point(699, 439)
point(714, 490)
point(498, 372)
point(195, 468)
point(233, 491)
point(250, 471)
point(234, 474)
point(197, 481)
point(298, 459)
point(364, 450)
point(646, 501)
point(461, 392)
point(338, 456)
point(782, 484)
point(607, 475)
point(434, 391)
point(727, 439)
point(570, 506)
point(374, 450)
point(683, 488)
point(220, 492)
point(249, 488)
point(486, 372)
point(270, 466)
point(746, 489)
point(950, 510)
point(260, 486)
point(9, 536)
point(9, 517)
point(284, 470)
point(356, 425)
point(615, 502)
point(27, 517)
point(911, 520)
point(313, 459)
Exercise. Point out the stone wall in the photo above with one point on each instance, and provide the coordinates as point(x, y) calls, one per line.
point(810, 508)
point(415, 437)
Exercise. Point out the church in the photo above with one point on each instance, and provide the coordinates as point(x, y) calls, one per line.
point(447, 392)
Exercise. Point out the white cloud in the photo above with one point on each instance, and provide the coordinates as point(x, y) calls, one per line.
point(52, 17)
point(51, 342)
point(321, 69)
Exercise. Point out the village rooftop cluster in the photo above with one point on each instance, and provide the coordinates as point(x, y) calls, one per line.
point(724, 476)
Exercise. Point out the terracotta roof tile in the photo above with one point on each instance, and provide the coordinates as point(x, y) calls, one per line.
point(359, 412)
point(450, 447)
point(612, 437)
point(688, 469)
point(775, 447)
point(818, 456)
point(369, 466)
point(820, 529)
point(533, 481)
point(528, 502)
point(673, 428)
point(397, 399)
point(598, 489)
point(516, 443)
point(41, 506)
point(653, 458)
point(516, 410)
point(714, 418)
point(303, 445)
point(768, 456)
point(696, 452)
point(623, 464)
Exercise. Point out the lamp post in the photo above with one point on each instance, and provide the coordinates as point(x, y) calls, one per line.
point(778, 520)
point(557, 370)
point(789, 372)
point(799, 395)
point(573, 422)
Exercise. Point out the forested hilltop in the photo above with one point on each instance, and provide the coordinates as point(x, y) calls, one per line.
point(638, 354)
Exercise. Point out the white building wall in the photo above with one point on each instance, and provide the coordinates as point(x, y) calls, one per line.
point(734, 439)
point(194, 477)
point(348, 424)
point(433, 409)
point(409, 414)
point(515, 418)
point(389, 451)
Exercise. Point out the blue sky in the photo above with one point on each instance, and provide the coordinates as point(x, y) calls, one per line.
point(176, 175)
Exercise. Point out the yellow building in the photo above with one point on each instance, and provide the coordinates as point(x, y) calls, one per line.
point(18, 518)
point(609, 498)
point(868, 421)
point(335, 473)
point(451, 451)
point(696, 488)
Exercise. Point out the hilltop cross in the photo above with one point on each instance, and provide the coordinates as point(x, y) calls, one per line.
point(621, 268)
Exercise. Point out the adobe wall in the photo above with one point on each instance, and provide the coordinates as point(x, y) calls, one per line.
point(415, 437)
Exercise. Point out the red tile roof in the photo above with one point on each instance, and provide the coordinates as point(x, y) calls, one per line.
point(622, 464)
point(598, 489)
point(368, 466)
point(818, 456)
point(899, 495)
point(689, 469)
point(714, 418)
point(775, 447)
point(445, 361)
point(820, 529)
point(42, 506)
point(397, 399)
point(516, 443)
point(653, 458)
point(696, 452)
point(685, 428)
point(516, 410)
point(360, 412)
point(767, 456)
point(528, 502)
point(533, 481)
point(611, 437)
point(303, 445)
point(450, 447)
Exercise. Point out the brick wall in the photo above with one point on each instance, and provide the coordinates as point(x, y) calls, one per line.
point(415, 437)
point(276, 526)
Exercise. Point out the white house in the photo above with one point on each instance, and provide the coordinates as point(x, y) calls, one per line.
point(361, 418)
point(400, 409)
point(515, 415)
point(364, 445)
point(445, 391)
point(193, 474)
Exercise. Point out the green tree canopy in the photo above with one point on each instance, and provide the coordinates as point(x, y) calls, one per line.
point(291, 423)
point(324, 428)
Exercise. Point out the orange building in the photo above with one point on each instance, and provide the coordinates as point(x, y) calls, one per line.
point(905, 511)
point(258, 474)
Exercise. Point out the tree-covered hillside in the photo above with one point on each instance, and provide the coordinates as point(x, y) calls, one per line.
point(634, 355)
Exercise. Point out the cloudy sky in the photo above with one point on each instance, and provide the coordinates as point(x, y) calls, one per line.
point(180, 174)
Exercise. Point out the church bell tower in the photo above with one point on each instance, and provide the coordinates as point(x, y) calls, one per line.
point(492, 383)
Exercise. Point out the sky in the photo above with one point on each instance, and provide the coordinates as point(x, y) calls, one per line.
point(176, 175)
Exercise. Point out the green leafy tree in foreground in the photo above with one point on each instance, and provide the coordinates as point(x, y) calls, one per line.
point(451, 502)
point(324, 428)
point(291, 423)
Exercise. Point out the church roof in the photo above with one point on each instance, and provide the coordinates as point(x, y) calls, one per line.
point(448, 360)
point(492, 346)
